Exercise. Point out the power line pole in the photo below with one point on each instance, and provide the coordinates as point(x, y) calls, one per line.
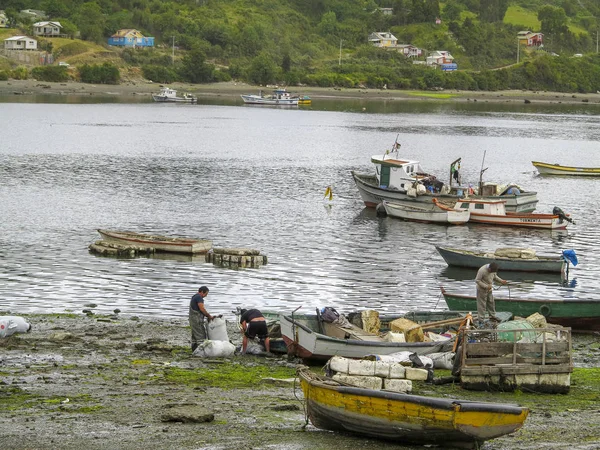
point(340, 60)
point(518, 47)
point(173, 52)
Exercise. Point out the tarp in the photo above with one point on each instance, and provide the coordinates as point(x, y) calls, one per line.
point(570, 256)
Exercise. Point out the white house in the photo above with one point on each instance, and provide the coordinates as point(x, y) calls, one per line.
point(47, 29)
point(383, 39)
point(439, 57)
point(409, 50)
point(20, 43)
point(3, 20)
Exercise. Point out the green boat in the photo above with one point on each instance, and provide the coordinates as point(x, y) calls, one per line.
point(578, 314)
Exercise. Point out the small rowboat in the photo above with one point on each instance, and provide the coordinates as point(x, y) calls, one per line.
point(157, 242)
point(557, 169)
point(425, 214)
point(406, 418)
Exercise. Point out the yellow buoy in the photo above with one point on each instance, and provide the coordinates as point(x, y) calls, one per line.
point(329, 193)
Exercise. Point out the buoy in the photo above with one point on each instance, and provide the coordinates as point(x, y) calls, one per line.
point(329, 193)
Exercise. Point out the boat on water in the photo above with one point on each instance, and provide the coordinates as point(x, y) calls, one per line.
point(416, 419)
point(511, 259)
point(579, 314)
point(418, 213)
point(493, 212)
point(557, 169)
point(169, 95)
point(157, 242)
point(304, 100)
point(279, 97)
point(402, 180)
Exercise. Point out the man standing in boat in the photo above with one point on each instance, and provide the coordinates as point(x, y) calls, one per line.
point(197, 314)
point(486, 275)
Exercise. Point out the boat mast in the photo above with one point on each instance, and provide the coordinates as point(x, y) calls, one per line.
point(481, 174)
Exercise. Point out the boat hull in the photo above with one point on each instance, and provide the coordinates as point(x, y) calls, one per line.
point(257, 100)
point(418, 214)
point(556, 169)
point(157, 242)
point(465, 258)
point(406, 418)
point(578, 314)
point(372, 195)
point(543, 221)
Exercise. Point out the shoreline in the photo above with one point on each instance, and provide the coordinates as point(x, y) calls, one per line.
point(15, 88)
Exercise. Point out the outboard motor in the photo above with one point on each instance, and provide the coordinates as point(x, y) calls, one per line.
point(561, 214)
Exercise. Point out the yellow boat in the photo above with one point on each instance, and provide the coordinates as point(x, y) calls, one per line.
point(404, 417)
point(557, 169)
point(304, 100)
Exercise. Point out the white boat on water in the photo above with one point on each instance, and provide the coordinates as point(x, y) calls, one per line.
point(417, 213)
point(402, 180)
point(279, 97)
point(167, 94)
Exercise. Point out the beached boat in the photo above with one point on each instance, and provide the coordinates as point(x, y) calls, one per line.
point(310, 338)
point(279, 97)
point(170, 96)
point(401, 180)
point(557, 169)
point(493, 212)
point(418, 213)
point(406, 418)
point(157, 242)
point(579, 314)
point(512, 259)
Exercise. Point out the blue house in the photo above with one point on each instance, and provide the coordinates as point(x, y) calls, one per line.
point(130, 38)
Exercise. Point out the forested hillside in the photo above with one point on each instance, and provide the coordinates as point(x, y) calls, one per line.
point(323, 42)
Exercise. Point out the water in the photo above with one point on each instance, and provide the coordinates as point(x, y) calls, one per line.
point(255, 177)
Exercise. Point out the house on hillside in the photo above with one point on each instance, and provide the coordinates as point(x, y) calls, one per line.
point(130, 38)
point(3, 19)
point(20, 43)
point(530, 39)
point(439, 57)
point(409, 50)
point(47, 29)
point(383, 39)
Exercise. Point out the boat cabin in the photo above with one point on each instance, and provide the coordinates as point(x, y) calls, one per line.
point(487, 207)
point(394, 173)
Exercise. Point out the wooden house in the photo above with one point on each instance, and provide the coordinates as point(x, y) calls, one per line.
point(383, 39)
point(20, 43)
point(439, 57)
point(130, 38)
point(409, 50)
point(530, 39)
point(47, 29)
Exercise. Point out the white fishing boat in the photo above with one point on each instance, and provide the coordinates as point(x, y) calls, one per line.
point(279, 97)
point(417, 213)
point(167, 95)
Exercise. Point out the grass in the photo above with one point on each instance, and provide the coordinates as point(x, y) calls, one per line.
point(439, 95)
point(516, 15)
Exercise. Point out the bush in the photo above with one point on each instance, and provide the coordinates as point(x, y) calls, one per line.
point(159, 74)
point(102, 74)
point(20, 73)
point(3, 75)
point(221, 75)
point(71, 49)
point(50, 73)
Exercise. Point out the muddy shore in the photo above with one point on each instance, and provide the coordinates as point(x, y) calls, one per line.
point(142, 88)
point(85, 381)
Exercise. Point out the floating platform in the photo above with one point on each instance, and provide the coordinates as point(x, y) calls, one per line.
point(236, 258)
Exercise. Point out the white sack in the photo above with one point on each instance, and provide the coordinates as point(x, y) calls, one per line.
point(214, 349)
point(217, 330)
point(13, 324)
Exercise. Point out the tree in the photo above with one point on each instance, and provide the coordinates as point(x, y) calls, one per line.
point(328, 25)
point(90, 21)
point(554, 20)
point(492, 10)
point(263, 70)
point(194, 67)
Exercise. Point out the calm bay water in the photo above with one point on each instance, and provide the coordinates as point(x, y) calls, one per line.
point(255, 177)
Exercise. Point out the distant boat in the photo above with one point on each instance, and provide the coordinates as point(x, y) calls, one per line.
point(406, 418)
point(304, 100)
point(169, 95)
point(279, 97)
point(510, 259)
point(418, 213)
point(557, 169)
point(157, 242)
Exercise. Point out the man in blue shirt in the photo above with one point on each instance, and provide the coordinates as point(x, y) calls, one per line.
point(197, 314)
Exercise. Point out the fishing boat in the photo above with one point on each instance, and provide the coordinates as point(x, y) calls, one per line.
point(579, 314)
point(493, 212)
point(157, 242)
point(511, 259)
point(415, 419)
point(169, 95)
point(417, 213)
point(557, 169)
point(309, 338)
point(401, 180)
point(279, 97)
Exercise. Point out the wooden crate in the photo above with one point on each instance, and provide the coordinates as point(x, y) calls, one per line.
point(542, 366)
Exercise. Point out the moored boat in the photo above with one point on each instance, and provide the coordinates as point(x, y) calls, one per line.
point(579, 314)
point(304, 100)
point(333, 406)
point(279, 97)
point(398, 179)
point(511, 259)
point(557, 169)
point(157, 242)
point(418, 213)
point(169, 95)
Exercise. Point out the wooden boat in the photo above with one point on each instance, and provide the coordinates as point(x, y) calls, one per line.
point(579, 314)
point(279, 97)
point(493, 212)
point(507, 259)
point(395, 179)
point(312, 339)
point(170, 96)
point(157, 242)
point(404, 417)
point(417, 213)
point(557, 169)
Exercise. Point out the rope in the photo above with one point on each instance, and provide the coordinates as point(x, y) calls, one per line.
point(304, 403)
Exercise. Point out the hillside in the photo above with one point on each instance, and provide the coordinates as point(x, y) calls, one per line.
point(325, 42)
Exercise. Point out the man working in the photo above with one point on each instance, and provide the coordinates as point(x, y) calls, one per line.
point(485, 278)
point(254, 324)
point(196, 315)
